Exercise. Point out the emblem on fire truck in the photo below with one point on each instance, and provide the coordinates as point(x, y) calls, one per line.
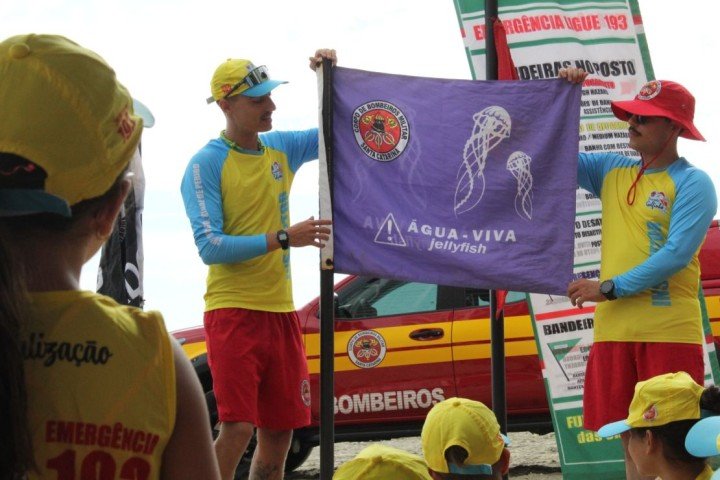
point(366, 349)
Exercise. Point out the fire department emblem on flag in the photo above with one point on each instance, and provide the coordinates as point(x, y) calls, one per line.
point(381, 130)
point(366, 349)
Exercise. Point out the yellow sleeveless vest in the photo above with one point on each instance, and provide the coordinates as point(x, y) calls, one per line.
point(101, 387)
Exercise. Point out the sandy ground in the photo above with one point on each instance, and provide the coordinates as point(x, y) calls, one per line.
point(531, 456)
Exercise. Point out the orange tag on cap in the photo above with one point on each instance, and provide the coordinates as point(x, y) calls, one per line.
point(125, 123)
point(650, 413)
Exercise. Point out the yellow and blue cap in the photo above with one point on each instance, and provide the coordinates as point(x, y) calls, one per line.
point(240, 77)
point(663, 399)
point(464, 423)
point(62, 109)
point(380, 462)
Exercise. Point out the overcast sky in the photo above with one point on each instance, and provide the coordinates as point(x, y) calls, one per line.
point(165, 51)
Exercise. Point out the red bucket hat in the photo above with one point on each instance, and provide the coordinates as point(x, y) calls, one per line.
point(662, 98)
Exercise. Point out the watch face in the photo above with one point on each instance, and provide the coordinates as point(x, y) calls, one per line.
point(606, 287)
point(284, 239)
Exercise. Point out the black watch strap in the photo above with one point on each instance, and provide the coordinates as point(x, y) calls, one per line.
point(283, 239)
point(607, 288)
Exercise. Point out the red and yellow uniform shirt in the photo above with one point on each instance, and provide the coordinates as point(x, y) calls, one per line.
point(101, 387)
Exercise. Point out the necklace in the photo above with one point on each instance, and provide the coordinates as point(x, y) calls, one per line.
point(235, 146)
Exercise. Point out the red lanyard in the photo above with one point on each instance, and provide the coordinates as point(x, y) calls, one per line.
point(633, 187)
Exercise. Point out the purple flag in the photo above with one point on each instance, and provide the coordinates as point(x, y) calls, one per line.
point(455, 182)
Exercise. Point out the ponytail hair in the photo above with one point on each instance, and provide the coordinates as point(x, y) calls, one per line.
point(710, 399)
point(16, 455)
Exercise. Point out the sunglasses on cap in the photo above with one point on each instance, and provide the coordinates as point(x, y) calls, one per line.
point(256, 76)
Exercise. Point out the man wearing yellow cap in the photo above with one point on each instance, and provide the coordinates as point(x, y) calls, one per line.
point(655, 214)
point(461, 438)
point(236, 193)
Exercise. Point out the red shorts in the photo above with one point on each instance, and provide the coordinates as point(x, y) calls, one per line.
point(614, 368)
point(258, 365)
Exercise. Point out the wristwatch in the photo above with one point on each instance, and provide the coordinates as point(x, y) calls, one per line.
point(283, 239)
point(607, 288)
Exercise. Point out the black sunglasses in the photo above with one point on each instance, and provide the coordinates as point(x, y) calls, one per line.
point(641, 119)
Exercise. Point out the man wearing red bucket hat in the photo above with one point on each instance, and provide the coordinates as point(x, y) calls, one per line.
point(655, 213)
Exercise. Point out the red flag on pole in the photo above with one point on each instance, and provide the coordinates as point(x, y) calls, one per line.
point(506, 67)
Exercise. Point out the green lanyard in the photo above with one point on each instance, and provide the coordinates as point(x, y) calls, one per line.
point(235, 146)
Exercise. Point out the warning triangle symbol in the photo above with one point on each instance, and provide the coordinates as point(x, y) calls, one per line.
point(389, 233)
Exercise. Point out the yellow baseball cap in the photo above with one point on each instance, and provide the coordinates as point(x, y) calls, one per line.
point(380, 462)
point(464, 423)
point(667, 398)
point(240, 77)
point(63, 110)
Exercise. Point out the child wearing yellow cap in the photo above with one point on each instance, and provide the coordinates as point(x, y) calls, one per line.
point(88, 388)
point(381, 462)
point(461, 438)
point(662, 412)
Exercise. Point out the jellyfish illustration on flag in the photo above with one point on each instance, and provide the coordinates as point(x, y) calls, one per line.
point(519, 165)
point(492, 126)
